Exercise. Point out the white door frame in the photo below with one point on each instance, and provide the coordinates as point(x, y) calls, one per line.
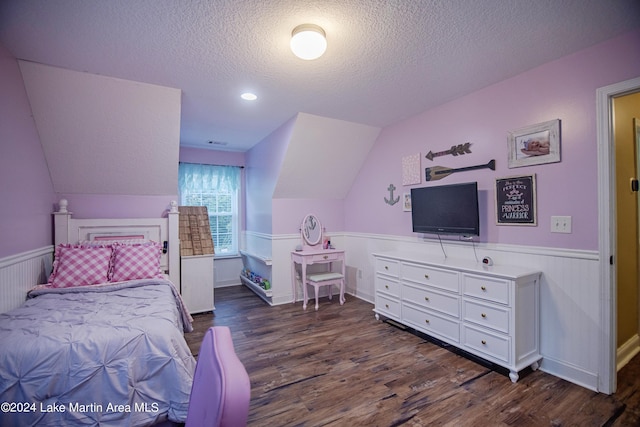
point(607, 230)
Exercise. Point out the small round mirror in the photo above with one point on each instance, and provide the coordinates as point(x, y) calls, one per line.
point(311, 230)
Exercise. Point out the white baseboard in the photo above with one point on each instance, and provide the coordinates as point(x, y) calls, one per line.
point(227, 283)
point(570, 373)
point(627, 351)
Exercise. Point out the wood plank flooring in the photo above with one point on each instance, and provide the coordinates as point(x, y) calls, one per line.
point(339, 366)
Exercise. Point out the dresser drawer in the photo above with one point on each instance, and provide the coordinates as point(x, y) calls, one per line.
point(388, 267)
point(486, 344)
point(443, 279)
point(387, 306)
point(486, 288)
point(387, 286)
point(325, 257)
point(431, 323)
point(490, 316)
point(429, 298)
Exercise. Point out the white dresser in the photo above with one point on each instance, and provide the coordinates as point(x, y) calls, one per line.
point(489, 311)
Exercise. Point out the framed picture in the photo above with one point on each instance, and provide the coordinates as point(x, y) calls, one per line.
point(534, 145)
point(516, 200)
point(406, 202)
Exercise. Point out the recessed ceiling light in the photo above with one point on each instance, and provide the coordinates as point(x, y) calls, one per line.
point(248, 96)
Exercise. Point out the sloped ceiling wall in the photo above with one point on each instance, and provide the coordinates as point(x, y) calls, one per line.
point(323, 158)
point(102, 135)
point(108, 136)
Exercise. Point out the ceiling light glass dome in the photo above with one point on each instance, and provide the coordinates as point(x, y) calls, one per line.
point(308, 41)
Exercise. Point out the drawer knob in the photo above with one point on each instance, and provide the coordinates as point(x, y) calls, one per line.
point(426, 320)
point(426, 298)
point(386, 305)
point(386, 267)
point(426, 276)
point(386, 286)
point(326, 256)
point(484, 288)
point(484, 342)
point(484, 315)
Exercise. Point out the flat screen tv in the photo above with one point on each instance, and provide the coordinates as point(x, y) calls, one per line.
point(446, 209)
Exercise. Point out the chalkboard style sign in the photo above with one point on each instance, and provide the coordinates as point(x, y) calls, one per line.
point(516, 200)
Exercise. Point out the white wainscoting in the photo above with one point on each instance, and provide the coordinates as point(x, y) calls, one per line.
point(569, 293)
point(258, 244)
point(21, 272)
point(227, 271)
point(569, 289)
point(281, 285)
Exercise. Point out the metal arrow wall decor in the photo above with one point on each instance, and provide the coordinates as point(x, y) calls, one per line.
point(455, 150)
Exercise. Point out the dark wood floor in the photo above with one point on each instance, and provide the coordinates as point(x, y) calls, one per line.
point(340, 367)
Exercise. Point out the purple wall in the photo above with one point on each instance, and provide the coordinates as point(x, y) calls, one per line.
point(289, 213)
point(117, 206)
point(563, 89)
point(141, 206)
point(26, 190)
point(264, 161)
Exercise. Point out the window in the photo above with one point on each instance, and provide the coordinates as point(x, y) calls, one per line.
point(217, 188)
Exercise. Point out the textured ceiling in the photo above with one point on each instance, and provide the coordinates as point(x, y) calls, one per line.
point(387, 59)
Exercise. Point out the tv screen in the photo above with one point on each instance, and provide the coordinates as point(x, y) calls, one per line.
point(446, 209)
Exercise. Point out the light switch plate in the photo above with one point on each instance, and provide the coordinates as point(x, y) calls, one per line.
point(561, 224)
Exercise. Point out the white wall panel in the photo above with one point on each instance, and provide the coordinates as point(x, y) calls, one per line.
point(21, 272)
point(569, 289)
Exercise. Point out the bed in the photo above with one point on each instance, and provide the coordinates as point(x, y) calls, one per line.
point(95, 346)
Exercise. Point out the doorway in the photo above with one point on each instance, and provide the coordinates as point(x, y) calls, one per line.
point(608, 230)
point(626, 111)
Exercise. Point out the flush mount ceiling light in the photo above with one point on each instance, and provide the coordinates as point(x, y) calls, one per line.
point(308, 41)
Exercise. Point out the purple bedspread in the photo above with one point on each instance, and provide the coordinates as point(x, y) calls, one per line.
point(108, 355)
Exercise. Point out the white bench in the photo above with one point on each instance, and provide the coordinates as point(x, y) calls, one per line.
point(324, 279)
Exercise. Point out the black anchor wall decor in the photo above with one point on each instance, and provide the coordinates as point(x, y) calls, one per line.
point(391, 201)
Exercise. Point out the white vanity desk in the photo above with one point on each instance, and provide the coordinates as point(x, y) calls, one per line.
point(313, 253)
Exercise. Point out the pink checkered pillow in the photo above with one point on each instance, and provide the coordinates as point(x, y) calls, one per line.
point(80, 266)
point(132, 262)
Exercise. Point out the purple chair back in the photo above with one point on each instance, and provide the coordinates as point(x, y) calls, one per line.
point(221, 389)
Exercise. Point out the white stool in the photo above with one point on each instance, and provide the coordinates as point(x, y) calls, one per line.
point(323, 279)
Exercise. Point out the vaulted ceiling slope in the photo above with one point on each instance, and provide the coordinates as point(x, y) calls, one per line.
point(102, 135)
point(386, 60)
point(323, 158)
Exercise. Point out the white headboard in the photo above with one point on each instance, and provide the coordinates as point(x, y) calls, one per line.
point(163, 230)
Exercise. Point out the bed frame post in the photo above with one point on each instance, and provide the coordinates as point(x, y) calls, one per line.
point(61, 222)
point(174, 245)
